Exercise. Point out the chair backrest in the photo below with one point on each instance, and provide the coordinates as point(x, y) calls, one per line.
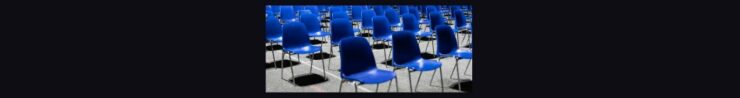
point(403, 9)
point(302, 12)
point(405, 48)
point(392, 16)
point(287, 13)
point(312, 22)
point(314, 9)
point(410, 23)
point(355, 56)
point(337, 15)
point(367, 18)
point(436, 18)
point(335, 9)
point(379, 10)
point(381, 27)
point(459, 18)
point(341, 29)
point(357, 12)
point(274, 29)
point(414, 12)
point(446, 42)
point(295, 35)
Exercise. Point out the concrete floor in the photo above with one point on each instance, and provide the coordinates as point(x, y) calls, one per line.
point(274, 83)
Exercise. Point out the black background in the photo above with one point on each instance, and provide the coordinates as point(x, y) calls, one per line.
point(215, 49)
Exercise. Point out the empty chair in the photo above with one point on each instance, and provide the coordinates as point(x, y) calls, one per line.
point(357, 13)
point(406, 54)
point(460, 22)
point(274, 34)
point(381, 32)
point(340, 29)
point(415, 12)
point(447, 47)
point(287, 14)
point(296, 41)
point(358, 64)
point(436, 19)
point(410, 24)
point(367, 20)
point(393, 17)
point(313, 26)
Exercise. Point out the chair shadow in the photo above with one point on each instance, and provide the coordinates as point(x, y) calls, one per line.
point(465, 32)
point(388, 62)
point(366, 35)
point(427, 55)
point(381, 46)
point(467, 46)
point(317, 41)
point(466, 85)
point(320, 56)
point(427, 38)
point(308, 79)
point(286, 64)
point(274, 47)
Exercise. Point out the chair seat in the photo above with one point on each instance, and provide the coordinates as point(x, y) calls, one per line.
point(383, 38)
point(397, 24)
point(275, 39)
point(319, 34)
point(423, 33)
point(462, 54)
point(421, 65)
point(304, 50)
point(367, 28)
point(355, 29)
point(372, 76)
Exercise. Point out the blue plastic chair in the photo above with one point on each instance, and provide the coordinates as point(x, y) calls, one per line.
point(340, 29)
point(393, 17)
point(287, 14)
point(381, 32)
point(381, 29)
point(302, 12)
point(274, 33)
point(367, 20)
point(296, 41)
point(447, 47)
point(436, 19)
point(313, 25)
point(415, 12)
point(429, 11)
point(460, 22)
point(410, 24)
point(407, 55)
point(357, 13)
point(358, 64)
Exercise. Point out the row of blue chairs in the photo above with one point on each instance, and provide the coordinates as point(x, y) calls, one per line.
point(295, 34)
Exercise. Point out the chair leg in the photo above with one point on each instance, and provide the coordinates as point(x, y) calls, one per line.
point(340, 85)
point(310, 70)
point(441, 80)
point(433, 73)
point(466, 68)
point(454, 69)
point(274, 63)
point(355, 87)
point(411, 89)
point(417, 81)
point(292, 73)
point(323, 65)
point(282, 67)
point(377, 87)
point(459, 87)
